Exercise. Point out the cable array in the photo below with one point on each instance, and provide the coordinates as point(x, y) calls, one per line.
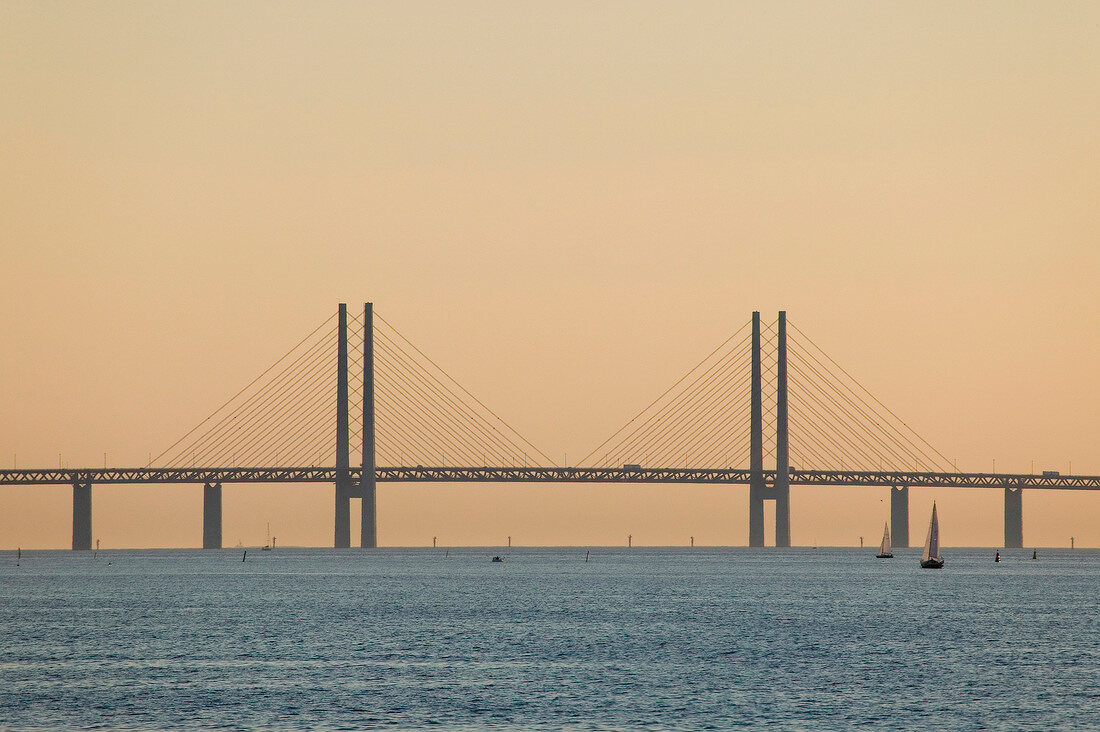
point(424, 417)
point(835, 423)
point(285, 416)
point(700, 421)
point(704, 419)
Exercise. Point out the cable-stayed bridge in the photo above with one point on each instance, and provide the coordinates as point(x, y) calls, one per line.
point(767, 408)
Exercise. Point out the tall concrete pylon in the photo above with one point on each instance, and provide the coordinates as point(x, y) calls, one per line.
point(756, 445)
point(781, 491)
point(342, 529)
point(367, 482)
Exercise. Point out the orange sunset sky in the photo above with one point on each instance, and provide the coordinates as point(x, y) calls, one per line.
point(566, 205)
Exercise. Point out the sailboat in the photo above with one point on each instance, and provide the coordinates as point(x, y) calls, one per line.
point(930, 558)
point(267, 546)
point(884, 548)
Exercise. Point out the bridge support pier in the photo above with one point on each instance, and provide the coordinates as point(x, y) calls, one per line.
point(82, 516)
point(1014, 517)
point(342, 533)
point(899, 516)
point(756, 515)
point(212, 516)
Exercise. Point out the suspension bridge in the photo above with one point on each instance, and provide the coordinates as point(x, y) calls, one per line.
point(767, 408)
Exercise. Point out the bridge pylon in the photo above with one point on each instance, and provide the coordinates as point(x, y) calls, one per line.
point(757, 487)
point(368, 537)
point(779, 490)
point(342, 528)
point(782, 488)
point(346, 487)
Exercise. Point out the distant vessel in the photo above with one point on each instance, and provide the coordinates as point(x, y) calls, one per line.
point(497, 559)
point(884, 548)
point(267, 545)
point(930, 558)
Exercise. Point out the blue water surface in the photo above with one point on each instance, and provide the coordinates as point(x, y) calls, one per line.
point(631, 639)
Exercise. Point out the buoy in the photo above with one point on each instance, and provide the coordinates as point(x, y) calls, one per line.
point(1034, 554)
point(997, 558)
point(245, 555)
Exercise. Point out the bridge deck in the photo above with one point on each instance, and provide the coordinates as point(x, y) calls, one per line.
point(422, 474)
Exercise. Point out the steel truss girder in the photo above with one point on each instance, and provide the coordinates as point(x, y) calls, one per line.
point(422, 474)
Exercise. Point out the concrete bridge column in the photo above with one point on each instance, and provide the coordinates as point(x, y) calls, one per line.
point(342, 533)
point(212, 516)
point(1014, 517)
point(82, 515)
point(899, 516)
point(756, 441)
point(367, 489)
point(342, 528)
point(782, 488)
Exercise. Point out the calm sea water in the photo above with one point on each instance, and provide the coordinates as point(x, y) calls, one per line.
point(641, 638)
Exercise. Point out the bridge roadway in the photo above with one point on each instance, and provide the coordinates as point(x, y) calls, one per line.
point(423, 474)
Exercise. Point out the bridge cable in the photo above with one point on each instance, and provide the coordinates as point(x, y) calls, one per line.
point(866, 391)
point(464, 390)
point(663, 394)
point(246, 387)
point(464, 417)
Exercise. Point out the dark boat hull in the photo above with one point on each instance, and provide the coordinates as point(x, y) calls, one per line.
point(884, 556)
point(931, 564)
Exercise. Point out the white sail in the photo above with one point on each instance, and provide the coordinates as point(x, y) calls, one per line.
point(884, 548)
point(932, 543)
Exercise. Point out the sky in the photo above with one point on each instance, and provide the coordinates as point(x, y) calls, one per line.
point(566, 205)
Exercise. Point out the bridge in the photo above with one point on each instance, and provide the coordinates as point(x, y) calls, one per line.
point(293, 424)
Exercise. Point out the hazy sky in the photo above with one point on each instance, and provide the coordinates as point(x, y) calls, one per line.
point(566, 205)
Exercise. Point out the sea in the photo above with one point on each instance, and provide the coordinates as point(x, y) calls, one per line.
point(549, 638)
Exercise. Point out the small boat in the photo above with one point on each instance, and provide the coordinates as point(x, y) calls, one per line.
point(930, 558)
point(267, 547)
point(497, 559)
point(884, 548)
